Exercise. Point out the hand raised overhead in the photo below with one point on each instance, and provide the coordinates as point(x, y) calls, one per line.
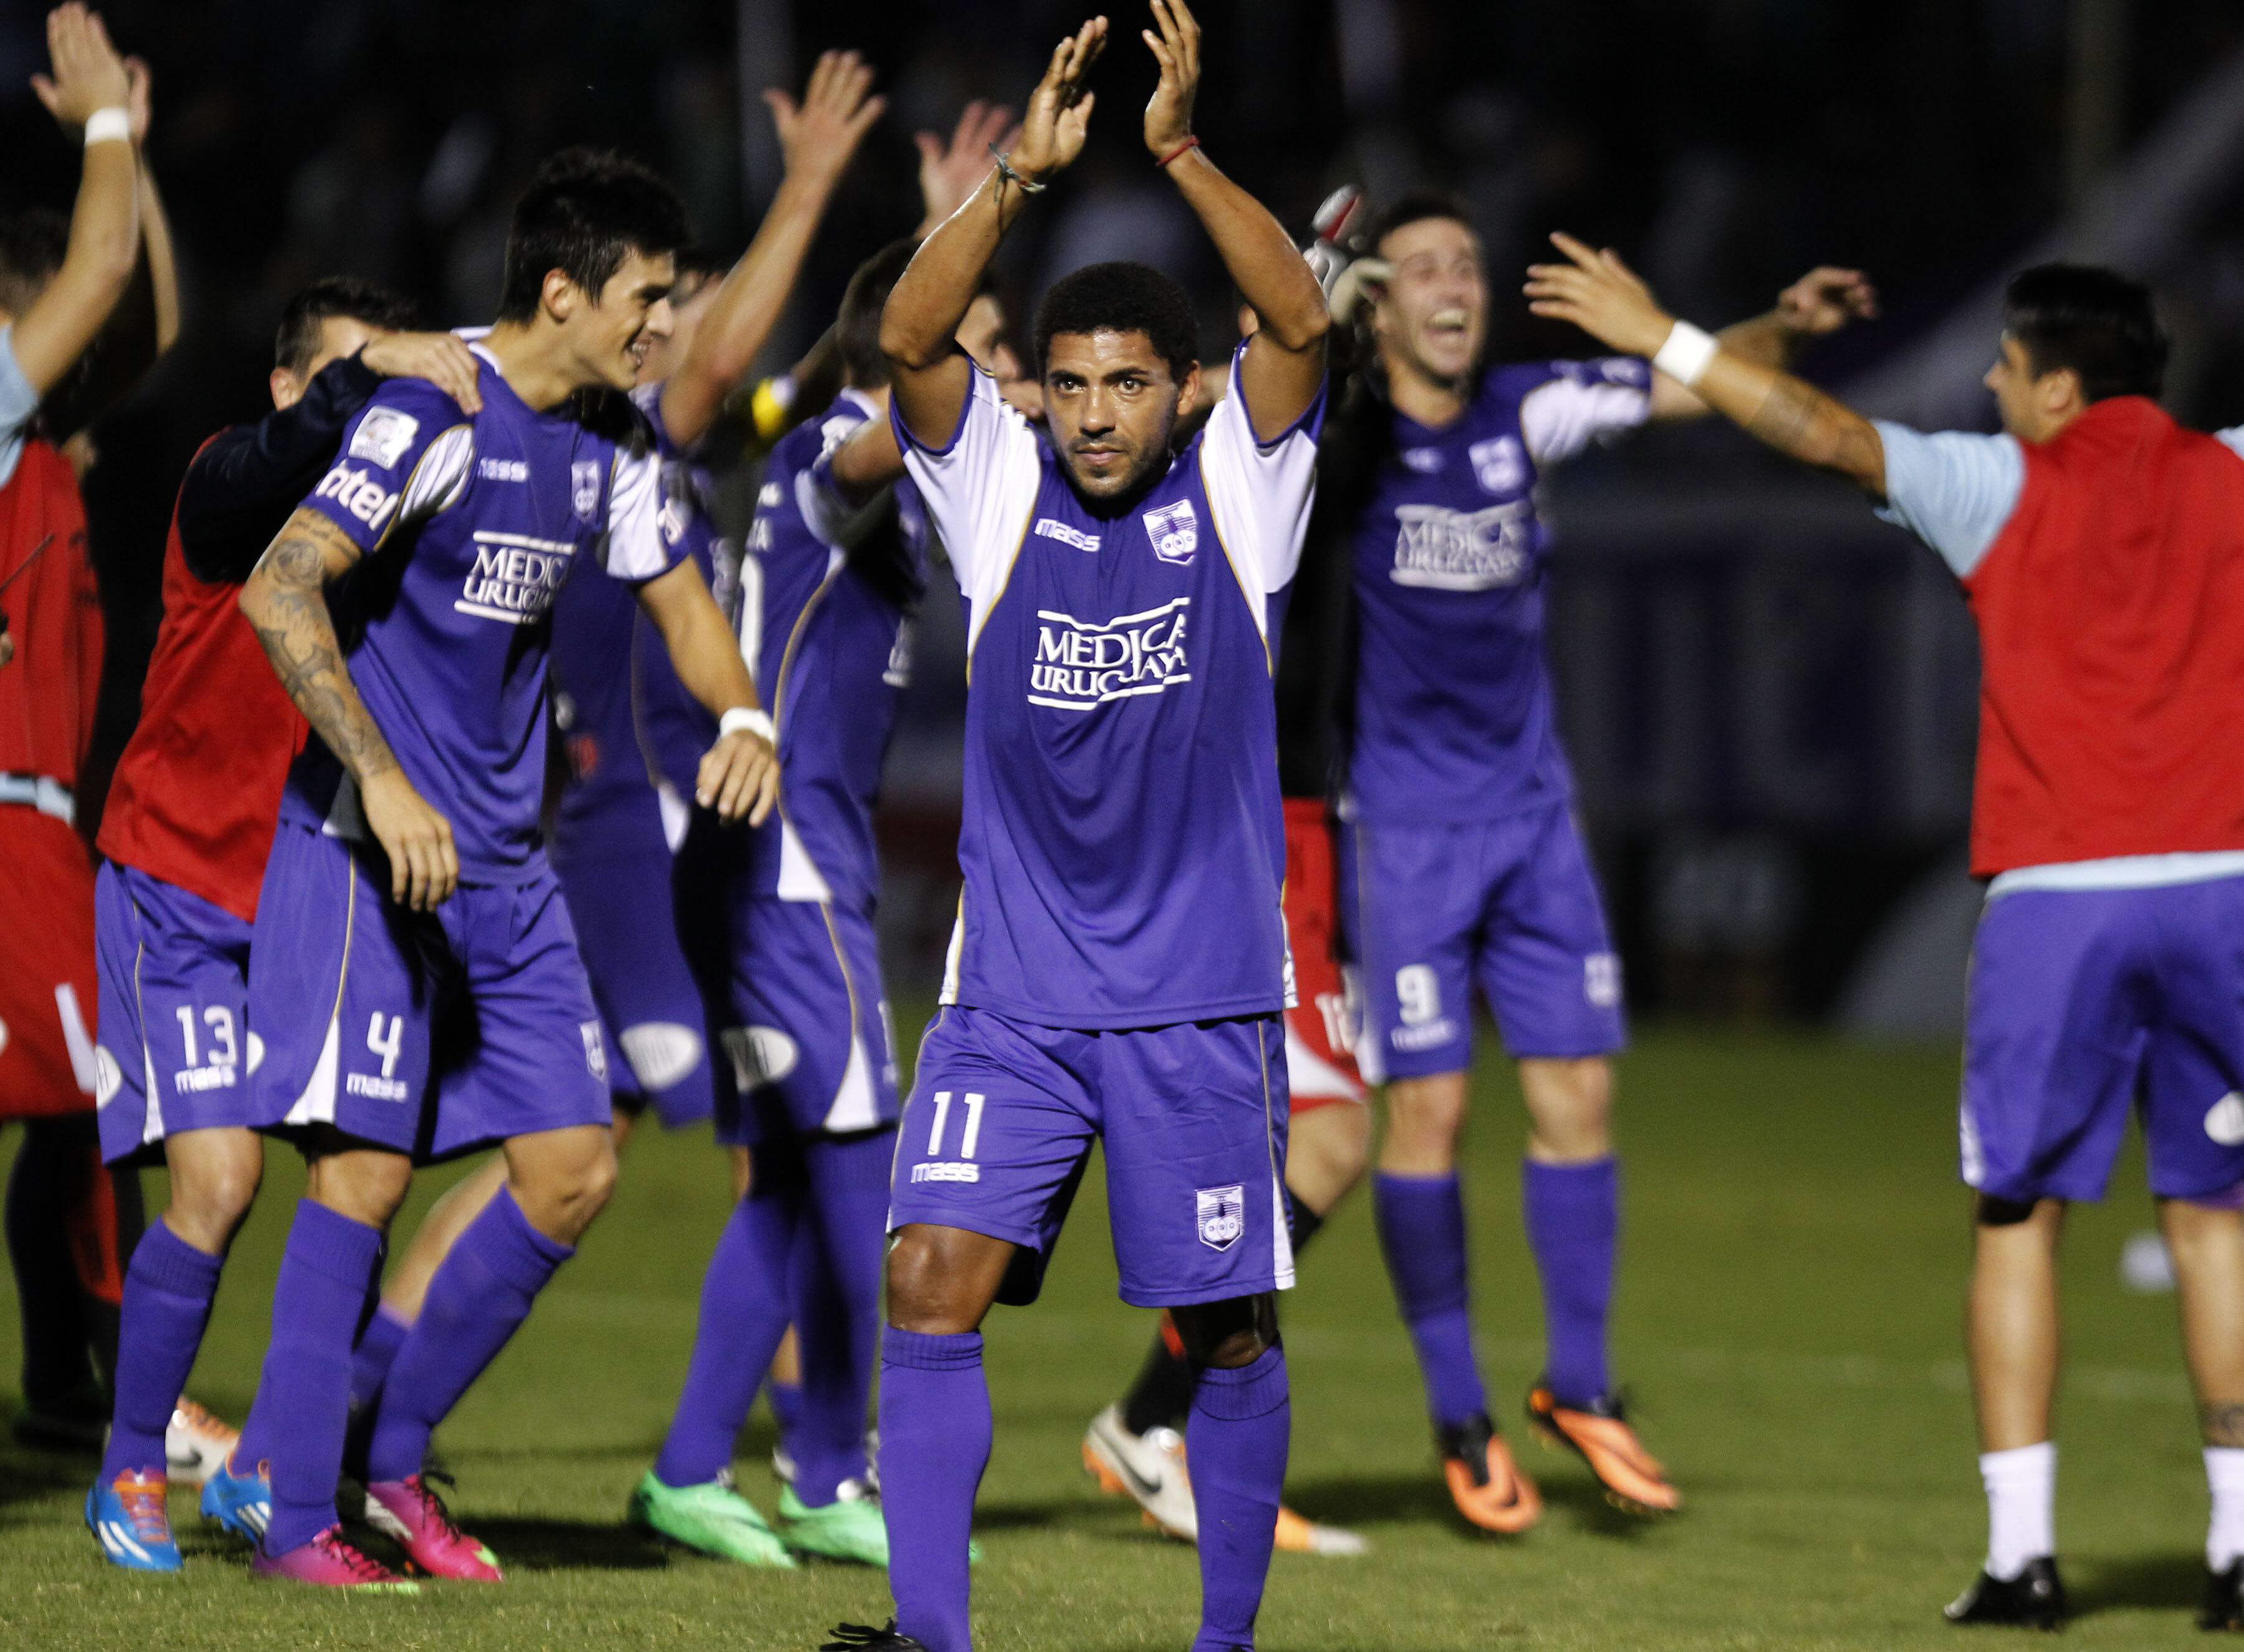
point(1059, 108)
point(1169, 112)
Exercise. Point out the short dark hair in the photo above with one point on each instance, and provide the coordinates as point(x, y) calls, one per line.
point(2102, 325)
point(1416, 208)
point(858, 328)
point(584, 212)
point(297, 339)
point(1121, 297)
point(32, 246)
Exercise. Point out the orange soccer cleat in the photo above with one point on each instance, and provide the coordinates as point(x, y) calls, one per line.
point(1486, 1485)
point(1599, 1433)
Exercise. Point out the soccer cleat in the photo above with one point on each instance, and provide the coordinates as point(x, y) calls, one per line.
point(711, 1518)
point(1484, 1482)
point(1150, 1467)
point(330, 1562)
point(411, 1514)
point(2033, 1600)
point(862, 1637)
point(1599, 1433)
point(848, 1528)
point(2224, 1599)
point(196, 1444)
point(134, 1528)
point(242, 1503)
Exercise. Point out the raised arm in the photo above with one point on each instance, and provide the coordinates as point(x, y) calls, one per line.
point(286, 603)
point(739, 774)
point(1284, 363)
point(818, 137)
point(1601, 295)
point(105, 234)
point(932, 376)
point(1819, 302)
point(155, 225)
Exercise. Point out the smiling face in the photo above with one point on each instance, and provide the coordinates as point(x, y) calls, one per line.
point(609, 338)
point(691, 301)
point(1113, 404)
point(1432, 317)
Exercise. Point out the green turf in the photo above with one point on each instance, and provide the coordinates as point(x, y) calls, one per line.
point(1789, 1317)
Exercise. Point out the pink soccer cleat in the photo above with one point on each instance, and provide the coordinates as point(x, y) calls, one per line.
point(332, 1564)
point(410, 1512)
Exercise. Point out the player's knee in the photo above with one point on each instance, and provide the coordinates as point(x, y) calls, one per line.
point(1569, 1106)
point(211, 1199)
point(941, 1281)
point(1230, 1334)
point(562, 1198)
point(1989, 1212)
point(1433, 1107)
point(368, 1187)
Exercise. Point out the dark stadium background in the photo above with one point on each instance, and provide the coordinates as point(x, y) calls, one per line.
point(1769, 695)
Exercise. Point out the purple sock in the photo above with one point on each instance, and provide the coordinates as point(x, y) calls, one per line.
point(786, 1399)
point(305, 1386)
point(378, 1344)
point(1421, 1229)
point(479, 1298)
point(168, 1289)
point(1240, 1428)
point(1573, 1227)
point(935, 1443)
point(840, 1316)
point(744, 1315)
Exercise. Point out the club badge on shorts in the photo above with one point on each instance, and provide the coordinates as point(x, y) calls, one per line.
point(1222, 1216)
point(1175, 531)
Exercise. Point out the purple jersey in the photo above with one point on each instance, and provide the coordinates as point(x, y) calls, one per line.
point(827, 596)
point(470, 526)
point(1454, 719)
point(1122, 842)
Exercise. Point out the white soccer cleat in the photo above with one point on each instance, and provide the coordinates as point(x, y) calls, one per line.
point(1148, 1468)
point(196, 1444)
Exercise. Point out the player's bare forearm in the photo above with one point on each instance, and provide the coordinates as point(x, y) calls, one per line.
point(1796, 419)
point(163, 268)
point(700, 642)
point(98, 267)
point(867, 462)
point(285, 602)
point(1285, 361)
point(748, 306)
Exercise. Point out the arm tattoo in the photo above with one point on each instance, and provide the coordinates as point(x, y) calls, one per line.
point(1796, 418)
point(285, 602)
point(2222, 1426)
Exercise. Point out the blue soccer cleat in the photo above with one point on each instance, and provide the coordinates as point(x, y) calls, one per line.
point(242, 1503)
point(134, 1528)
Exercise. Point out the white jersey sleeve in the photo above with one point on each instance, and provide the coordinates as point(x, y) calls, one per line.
point(18, 402)
point(647, 520)
point(979, 488)
point(1583, 403)
point(826, 510)
point(1260, 491)
point(2232, 439)
point(1953, 490)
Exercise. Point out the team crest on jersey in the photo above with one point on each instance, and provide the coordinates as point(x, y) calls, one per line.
point(1175, 531)
point(584, 480)
point(1222, 1216)
point(1500, 464)
point(383, 435)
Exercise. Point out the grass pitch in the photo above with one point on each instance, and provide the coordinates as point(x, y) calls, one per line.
point(1788, 1319)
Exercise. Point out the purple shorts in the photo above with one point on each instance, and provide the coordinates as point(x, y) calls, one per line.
point(1513, 905)
point(176, 1052)
point(620, 905)
point(803, 1020)
point(2086, 1004)
point(1193, 1118)
point(432, 1033)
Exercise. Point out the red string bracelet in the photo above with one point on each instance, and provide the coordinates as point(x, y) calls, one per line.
point(1189, 143)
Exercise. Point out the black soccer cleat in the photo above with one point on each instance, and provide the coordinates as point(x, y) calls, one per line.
point(863, 1637)
point(2033, 1600)
point(2224, 1599)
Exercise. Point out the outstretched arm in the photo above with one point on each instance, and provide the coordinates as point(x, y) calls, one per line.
point(1601, 295)
point(739, 774)
point(1819, 302)
point(932, 377)
point(286, 603)
point(1284, 364)
point(818, 137)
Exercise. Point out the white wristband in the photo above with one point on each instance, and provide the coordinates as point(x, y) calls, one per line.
point(1687, 354)
point(107, 125)
point(748, 719)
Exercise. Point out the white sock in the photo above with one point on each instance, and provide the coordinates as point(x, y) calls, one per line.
point(2022, 1506)
point(2224, 1538)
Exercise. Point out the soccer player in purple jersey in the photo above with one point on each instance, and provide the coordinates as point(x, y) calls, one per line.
point(1467, 863)
point(413, 969)
point(1119, 966)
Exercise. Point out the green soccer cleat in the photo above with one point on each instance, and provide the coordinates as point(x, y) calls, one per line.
point(848, 1528)
point(711, 1519)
